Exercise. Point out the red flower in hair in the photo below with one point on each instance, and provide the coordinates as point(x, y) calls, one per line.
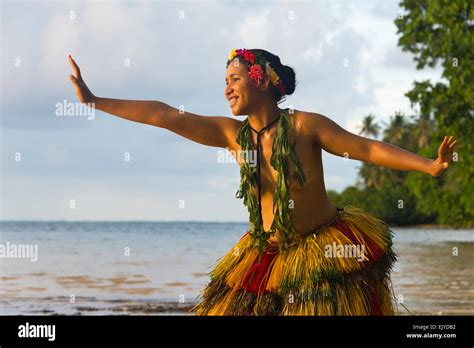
point(249, 57)
point(256, 73)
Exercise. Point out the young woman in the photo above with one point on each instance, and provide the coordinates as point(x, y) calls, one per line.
point(302, 255)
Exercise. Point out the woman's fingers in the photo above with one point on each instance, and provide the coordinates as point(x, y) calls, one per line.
point(444, 141)
point(75, 81)
point(447, 149)
point(75, 68)
point(442, 146)
point(73, 65)
point(448, 143)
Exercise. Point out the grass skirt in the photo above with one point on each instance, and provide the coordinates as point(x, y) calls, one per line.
point(343, 268)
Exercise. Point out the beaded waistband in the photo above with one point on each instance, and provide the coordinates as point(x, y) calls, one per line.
point(335, 219)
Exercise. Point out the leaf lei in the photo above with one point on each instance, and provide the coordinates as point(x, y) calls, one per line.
point(282, 150)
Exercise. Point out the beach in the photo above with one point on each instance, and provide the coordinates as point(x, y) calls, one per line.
point(159, 268)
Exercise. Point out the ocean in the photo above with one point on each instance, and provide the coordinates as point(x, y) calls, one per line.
point(88, 268)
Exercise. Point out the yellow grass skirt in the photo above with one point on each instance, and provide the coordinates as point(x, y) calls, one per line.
point(342, 268)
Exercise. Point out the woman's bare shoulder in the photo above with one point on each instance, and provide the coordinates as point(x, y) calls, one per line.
point(232, 126)
point(307, 122)
point(308, 116)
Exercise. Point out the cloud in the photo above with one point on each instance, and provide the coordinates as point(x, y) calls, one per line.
point(253, 31)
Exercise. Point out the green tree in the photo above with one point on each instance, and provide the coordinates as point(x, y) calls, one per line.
point(421, 133)
point(442, 32)
point(395, 131)
point(369, 127)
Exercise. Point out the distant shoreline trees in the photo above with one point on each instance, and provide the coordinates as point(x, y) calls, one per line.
point(434, 32)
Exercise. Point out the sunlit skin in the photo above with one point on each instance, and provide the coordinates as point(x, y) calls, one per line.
point(313, 133)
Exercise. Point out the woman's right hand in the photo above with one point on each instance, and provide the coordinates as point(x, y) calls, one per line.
point(83, 93)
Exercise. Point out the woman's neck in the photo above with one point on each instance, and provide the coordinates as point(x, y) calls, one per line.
point(263, 116)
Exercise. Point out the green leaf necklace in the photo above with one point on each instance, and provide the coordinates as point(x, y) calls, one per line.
point(282, 151)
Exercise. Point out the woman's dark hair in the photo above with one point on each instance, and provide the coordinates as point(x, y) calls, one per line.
point(285, 72)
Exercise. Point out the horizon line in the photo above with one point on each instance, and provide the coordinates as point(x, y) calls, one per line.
point(148, 221)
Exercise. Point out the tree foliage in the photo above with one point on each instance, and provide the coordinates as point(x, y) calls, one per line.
point(437, 33)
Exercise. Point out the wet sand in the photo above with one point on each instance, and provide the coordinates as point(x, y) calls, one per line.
point(89, 306)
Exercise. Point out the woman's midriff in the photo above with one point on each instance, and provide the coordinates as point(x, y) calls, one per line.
point(307, 217)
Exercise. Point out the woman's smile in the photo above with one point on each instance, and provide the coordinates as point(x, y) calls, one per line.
point(233, 100)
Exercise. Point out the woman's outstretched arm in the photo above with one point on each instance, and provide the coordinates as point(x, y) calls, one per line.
point(207, 130)
point(334, 139)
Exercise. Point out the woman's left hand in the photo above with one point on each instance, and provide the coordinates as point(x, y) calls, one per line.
point(445, 157)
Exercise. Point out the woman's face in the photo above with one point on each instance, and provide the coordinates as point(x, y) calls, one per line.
point(241, 91)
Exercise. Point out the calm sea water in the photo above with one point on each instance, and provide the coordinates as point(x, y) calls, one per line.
point(87, 266)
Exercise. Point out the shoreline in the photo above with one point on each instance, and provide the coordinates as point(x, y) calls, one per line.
point(432, 226)
point(171, 222)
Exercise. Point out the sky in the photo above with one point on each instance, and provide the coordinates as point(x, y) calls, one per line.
point(101, 167)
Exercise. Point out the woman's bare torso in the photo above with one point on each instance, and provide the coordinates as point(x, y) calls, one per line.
point(311, 206)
